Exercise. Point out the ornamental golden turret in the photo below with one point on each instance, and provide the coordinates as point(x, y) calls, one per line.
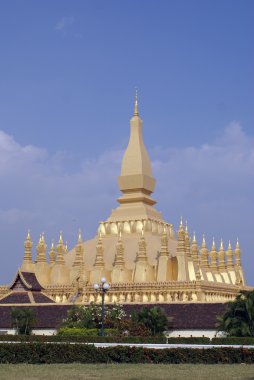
point(119, 256)
point(183, 274)
point(60, 250)
point(28, 265)
point(237, 254)
point(60, 273)
point(119, 272)
point(52, 254)
point(42, 270)
point(213, 256)
point(229, 254)
point(99, 259)
point(143, 271)
point(187, 241)
point(41, 250)
point(221, 257)
point(194, 249)
point(204, 254)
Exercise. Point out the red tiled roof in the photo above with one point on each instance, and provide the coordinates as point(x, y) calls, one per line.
point(190, 315)
point(41, 298)
point(31, 279)
point(16, 297)
point(185, 316)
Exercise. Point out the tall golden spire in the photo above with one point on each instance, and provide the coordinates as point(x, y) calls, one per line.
point(136, 103)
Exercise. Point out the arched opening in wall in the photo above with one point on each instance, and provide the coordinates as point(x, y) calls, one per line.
point(126, 228)
point(139, 227)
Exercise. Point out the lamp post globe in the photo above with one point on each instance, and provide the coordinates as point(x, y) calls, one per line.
point(103, 288)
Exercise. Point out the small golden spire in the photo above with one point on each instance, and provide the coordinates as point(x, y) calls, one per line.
point(203, 241)
point(61, 238)
point(221, 244)
point(194, 238)
point(229, 245)
point(136, 103)
point(28, 235)
point(52, 244)
point(237, 243)
point(42, 238)
point(213, 245)
point(66, 246)
point(186, 227)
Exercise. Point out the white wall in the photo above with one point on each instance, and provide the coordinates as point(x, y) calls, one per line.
point(191, 333)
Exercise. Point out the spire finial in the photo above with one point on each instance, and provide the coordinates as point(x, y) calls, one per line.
point(186, 226)
point(79, 236)
point(213, 245)
point(28, 235)
point(136, 103)
point(194, 237)
point(61, 238)
point(221, 244)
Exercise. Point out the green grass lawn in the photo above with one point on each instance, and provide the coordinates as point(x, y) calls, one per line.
point(126, 371)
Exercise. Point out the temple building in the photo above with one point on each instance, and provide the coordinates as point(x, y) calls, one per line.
point(143, 257)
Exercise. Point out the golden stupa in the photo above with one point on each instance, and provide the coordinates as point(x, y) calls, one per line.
point(137, 251)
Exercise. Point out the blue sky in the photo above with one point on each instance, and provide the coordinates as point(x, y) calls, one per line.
point(68, 71)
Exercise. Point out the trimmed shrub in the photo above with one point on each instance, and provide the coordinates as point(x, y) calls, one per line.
point(38, 353)
point(83, 332)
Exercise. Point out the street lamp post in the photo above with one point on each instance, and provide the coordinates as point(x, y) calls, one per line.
point(103, 287)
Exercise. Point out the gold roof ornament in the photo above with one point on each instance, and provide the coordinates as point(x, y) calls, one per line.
point(28, 235)
point(203, 241)
point(213, 245)
point(60, 238)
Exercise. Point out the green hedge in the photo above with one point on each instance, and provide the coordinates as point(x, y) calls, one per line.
point(35, 353)
point(82, 339)
point(234, 340)
point(83, 332)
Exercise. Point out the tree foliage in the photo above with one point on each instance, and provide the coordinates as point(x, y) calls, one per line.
point(23, 319)
point(238, 319)
point(90, 316)
point(155, 319)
